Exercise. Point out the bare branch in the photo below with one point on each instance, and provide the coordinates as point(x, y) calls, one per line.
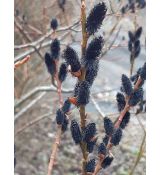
point(29, 106)
point(26, 36)
point(39, 89)
point(33, 122)
point(36, 45)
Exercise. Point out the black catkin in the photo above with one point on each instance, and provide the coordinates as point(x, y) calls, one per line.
point(106, 162)
point(136, 97)
point(60, 117)
point(137, 52)
point(134, 78)
point(130, 45)
point(54, 23)
point(71, 57)
point(108, 126)
point(90, 166)
point(94, 49)
point(62, 72)
point(138, 33)
point(83, 93)
point(90, 145)
point(66, 106)
point(125, 120)
point(61, 4)
point(137, 46)
point(95, 18)
point(126, 85)
point(131, 36)
point(50, 64)
point(55, 49)
point(92, 71)
point(89, 132)
point(106, 139)
point(102, 149)
point(76, 89)
point(120, 101)
point(143, 72)
point(75, 131)
point(65, 124)
point(116, 137)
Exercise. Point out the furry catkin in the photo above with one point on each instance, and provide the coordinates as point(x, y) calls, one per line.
point(50, 64)
point(55, 49)
point(62, 72)
point(95, 18)
point(75, 131)
point(83, 93)
point(71, 58)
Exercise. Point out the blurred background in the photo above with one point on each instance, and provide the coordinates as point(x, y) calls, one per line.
point(36, 100)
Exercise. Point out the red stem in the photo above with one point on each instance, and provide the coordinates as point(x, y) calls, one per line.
point(59, 84)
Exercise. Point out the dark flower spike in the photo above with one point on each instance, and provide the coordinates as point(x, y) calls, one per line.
point(65, 124)
point(102, 149)
point(130, 46)
point(54, 23)
point(143, 72)
point(62, 72)
point(66, 106)
point(75, 131)
point(50, 64)
point(120, 101)
point(123, 10)
point(60, 117)
point(137, 45)
point(76, 89)
point(61, 4)
point(138, 33)
point(127, 86)
point(83, 93)
point(90, 145)
point(90, 166)
point(89, 132)
point(106, 139)
point(94, 49)
point(136, 97)
point(131, 36)
point(55, 49)
point(95, 18)
point(137, 52)
point(125, 120)
point(92, 72)
point(108, 126)
point(72, 59)
point(116, 137)
point(107, 162)
point(134, 78)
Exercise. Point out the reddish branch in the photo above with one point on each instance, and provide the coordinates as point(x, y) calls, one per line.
point(59, 84)
point(56, 143)
point(19, 63)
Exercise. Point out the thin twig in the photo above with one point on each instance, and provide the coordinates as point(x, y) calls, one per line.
point(19, 63)
point(27, 37)
point(37, 90)
point(33, 122)
point(29, 106)
point(36, 45)
point(54, 150)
